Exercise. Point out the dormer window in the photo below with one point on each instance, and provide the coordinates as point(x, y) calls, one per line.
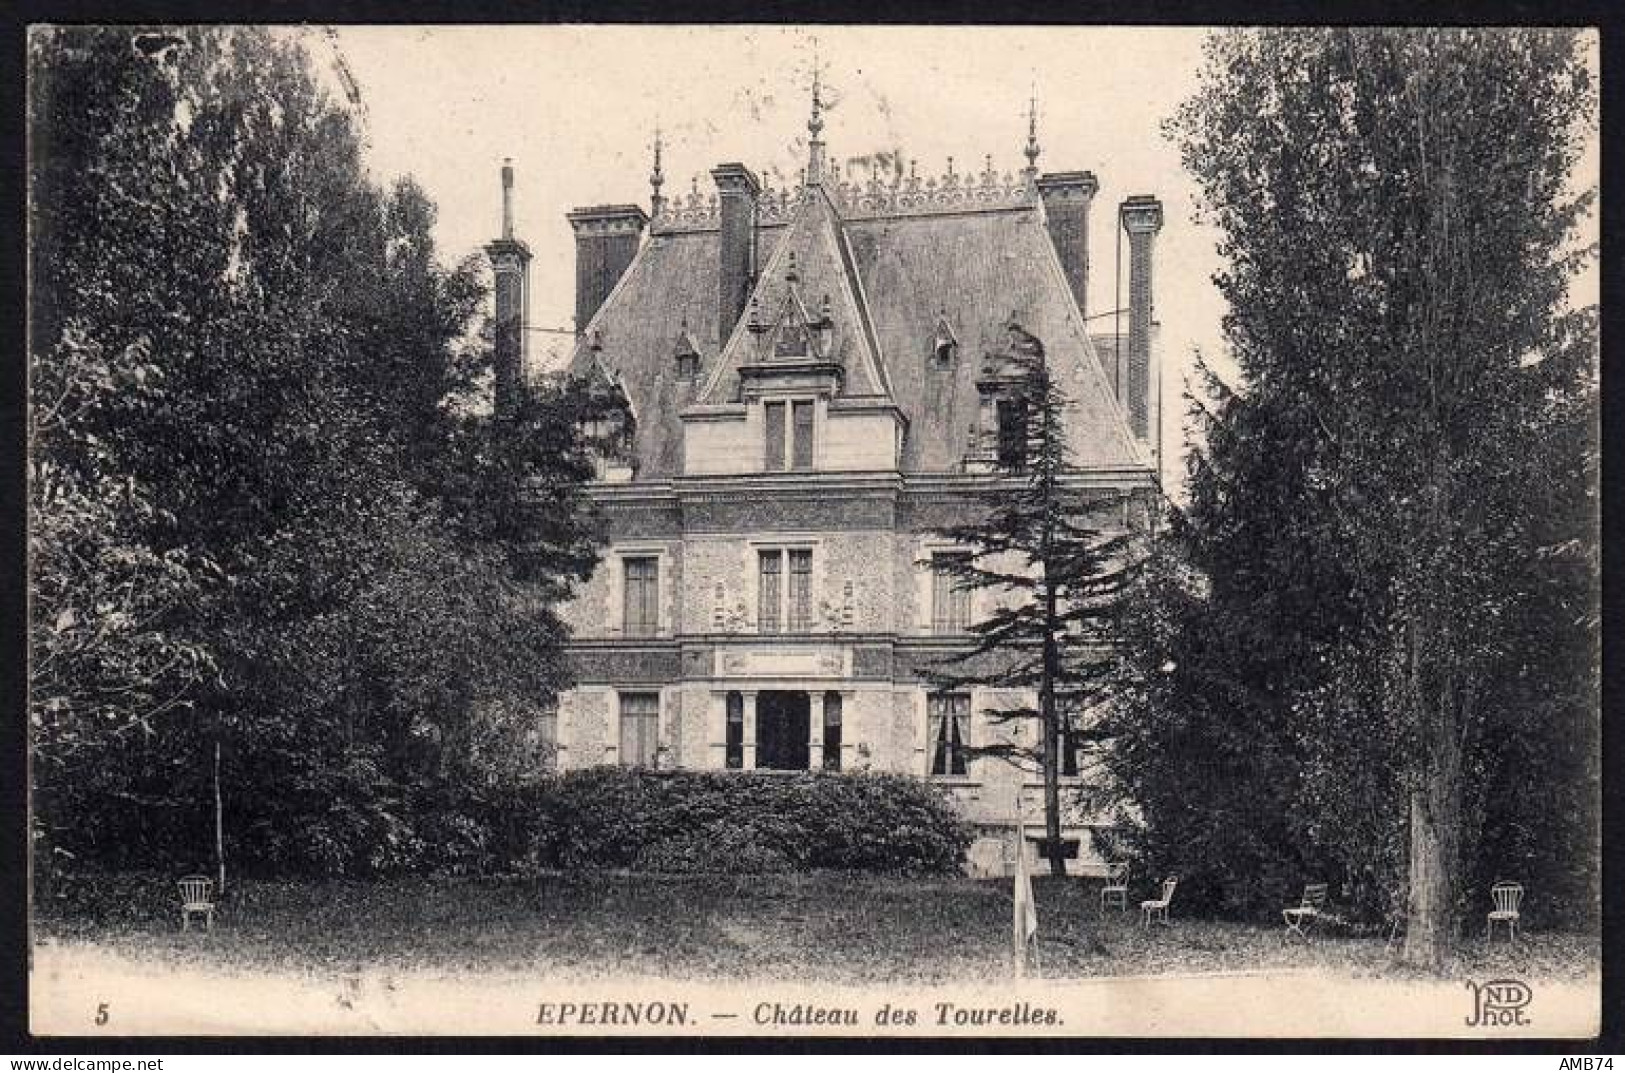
point(999, 437)
point(610, 425)
point(944, 344)
point(1012, 434)
point(686, 354)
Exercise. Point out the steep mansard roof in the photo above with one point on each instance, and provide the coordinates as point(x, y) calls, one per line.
point(892, 281)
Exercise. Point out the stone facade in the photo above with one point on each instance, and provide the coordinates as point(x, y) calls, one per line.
point(805, 375)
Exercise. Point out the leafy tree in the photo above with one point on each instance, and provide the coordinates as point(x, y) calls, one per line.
point(1395, 212)
point(1058, 578)
point(281, 375)
point(1244, 591)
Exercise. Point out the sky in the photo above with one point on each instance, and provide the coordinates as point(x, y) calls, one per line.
point(576, 108)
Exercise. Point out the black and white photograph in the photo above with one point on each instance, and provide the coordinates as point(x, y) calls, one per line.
point(813, 531)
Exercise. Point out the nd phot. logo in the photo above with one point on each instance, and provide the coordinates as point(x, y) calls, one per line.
point(1499, 1004)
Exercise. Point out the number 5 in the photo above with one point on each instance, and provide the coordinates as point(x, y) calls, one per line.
point(101, 1014)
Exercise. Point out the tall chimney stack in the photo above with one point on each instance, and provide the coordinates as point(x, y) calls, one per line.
point(1067, 196)
point(510, 264)
point(1142, 219)
point(737, 190)
point(607, 238)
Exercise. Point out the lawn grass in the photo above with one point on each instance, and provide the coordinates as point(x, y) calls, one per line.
point(835, 927)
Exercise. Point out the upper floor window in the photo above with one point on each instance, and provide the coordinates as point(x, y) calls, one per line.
point(950, 596)
point(1013, 434)
point(641, 595)
point(784, 590)
point(788, 435)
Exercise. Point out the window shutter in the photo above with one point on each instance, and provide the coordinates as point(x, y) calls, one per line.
point(832, 731)
point(734, 733)
point(961, 730)
point(800, 589)
point(767, 596)
point(774, 434)
point(640, 717)
point(641, 598)
point(802, 415)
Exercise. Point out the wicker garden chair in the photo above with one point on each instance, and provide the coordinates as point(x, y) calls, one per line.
point(1158, 907)
point(197, 896)
point(1310, 909)
point(1116, 888)
point(1507, 896)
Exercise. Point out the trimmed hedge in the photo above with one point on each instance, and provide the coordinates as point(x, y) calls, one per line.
point(610, 817)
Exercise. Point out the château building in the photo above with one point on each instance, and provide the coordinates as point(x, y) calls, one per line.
point(810, 384)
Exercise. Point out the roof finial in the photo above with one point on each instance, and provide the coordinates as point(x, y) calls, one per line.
point(1031, 151)
point(657, 178)
point(815, 127)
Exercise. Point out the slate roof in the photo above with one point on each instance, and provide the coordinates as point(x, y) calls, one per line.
point(670, 287)
point(890, 279)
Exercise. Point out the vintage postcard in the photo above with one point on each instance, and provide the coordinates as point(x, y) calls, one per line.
point(781, 531)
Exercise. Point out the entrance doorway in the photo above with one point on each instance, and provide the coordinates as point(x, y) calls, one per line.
point(783, 730)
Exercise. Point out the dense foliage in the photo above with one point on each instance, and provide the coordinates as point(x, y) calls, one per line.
point(612, 817)
point(1369, 649)
point(270, 522)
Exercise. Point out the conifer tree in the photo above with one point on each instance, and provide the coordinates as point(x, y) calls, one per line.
point(1054, 578)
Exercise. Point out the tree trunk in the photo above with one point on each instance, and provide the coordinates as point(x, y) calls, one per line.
point(1052, 750)
point(219, 823)
point(1435, 827)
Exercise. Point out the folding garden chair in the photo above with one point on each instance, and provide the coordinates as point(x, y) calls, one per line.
point(1116, 888)
point(1310, 908)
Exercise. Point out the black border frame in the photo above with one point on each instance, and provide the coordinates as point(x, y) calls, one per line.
point(14, 938)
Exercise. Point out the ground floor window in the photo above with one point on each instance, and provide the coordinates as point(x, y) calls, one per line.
point(832, 731)
point(547, 737)
point(948, 726)
point(1072, 741)
point(640, 718)
point(734, 733)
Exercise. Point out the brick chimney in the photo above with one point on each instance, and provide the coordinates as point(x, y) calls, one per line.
point(510, 264)
point(1142, 219)
point(1067, 196)
point(607, 239)
point(737, 189)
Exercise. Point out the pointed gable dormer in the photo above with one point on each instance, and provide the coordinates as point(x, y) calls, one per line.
point(610, 424)
point(809, 279)
point(801, 374)
point(795, 352)
point(685, 354)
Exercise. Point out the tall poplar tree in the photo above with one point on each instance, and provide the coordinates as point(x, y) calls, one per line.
point(1397, 218)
